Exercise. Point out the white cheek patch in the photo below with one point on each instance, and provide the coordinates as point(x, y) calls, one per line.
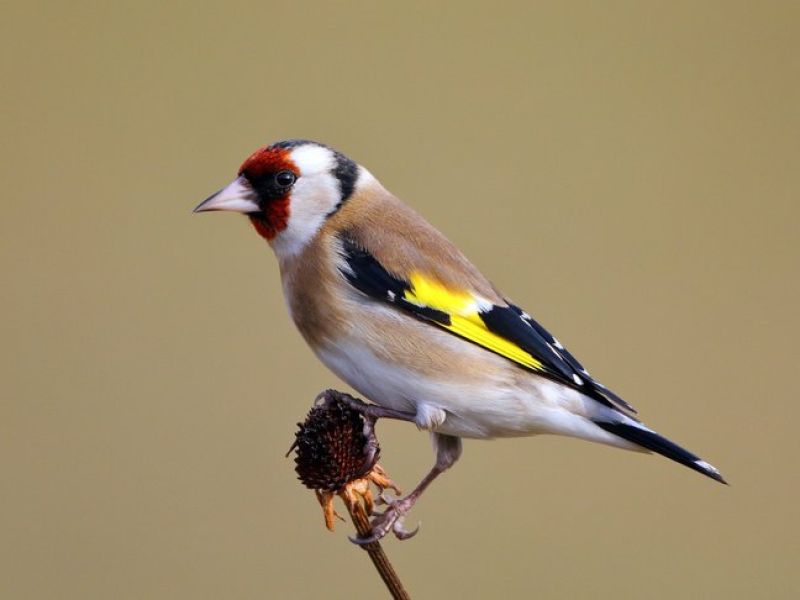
point(315, 194)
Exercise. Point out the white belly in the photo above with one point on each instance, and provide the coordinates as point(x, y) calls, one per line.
point(504, 406)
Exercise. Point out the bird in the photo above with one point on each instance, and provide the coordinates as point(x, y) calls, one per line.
point(397, 311)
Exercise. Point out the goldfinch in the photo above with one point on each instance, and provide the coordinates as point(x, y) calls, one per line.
point(393, 308)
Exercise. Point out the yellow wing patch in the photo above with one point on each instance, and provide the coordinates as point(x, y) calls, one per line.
point(463, 309)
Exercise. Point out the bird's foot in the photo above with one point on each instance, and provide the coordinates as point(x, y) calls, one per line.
point(389, 520)
point(370, 412)
point(332, 396)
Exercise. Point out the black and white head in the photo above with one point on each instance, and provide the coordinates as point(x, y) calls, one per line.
point(288, 190)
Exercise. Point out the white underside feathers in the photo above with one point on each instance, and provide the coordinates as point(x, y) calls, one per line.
point(494, 408)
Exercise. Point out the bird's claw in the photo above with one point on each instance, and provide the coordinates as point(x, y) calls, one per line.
point(329, 396)
point(401, 533)
point(389, 520)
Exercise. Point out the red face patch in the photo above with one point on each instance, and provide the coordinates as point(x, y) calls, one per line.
point(260, 169)
point(267, 160)
point(271, 222)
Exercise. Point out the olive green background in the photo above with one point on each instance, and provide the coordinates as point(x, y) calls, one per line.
point(627, 171)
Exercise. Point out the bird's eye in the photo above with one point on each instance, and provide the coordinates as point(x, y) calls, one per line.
point(285, 178)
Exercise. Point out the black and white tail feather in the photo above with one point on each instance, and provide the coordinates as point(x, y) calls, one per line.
point(640, 435)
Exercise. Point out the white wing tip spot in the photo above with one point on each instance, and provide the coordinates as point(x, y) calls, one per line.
point(707, 466)
point(481, 305)
point(577, 379)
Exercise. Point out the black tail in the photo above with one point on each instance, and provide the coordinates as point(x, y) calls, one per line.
point(661, 445)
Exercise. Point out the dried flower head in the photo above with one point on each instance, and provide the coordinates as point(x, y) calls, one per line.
point(336, 453)
point(331, 448)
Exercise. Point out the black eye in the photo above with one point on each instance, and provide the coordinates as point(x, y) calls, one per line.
point(285, 178)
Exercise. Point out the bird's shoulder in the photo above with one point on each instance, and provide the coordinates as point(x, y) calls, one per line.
point(404, 243)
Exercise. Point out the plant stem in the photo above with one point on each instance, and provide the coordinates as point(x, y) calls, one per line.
point(376, 553)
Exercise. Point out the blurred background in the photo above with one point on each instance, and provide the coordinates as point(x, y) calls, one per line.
point(626, 171)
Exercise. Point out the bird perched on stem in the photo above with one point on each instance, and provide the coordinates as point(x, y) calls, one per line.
point(392, 307)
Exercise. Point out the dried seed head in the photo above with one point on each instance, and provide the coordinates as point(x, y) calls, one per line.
point(331, 449)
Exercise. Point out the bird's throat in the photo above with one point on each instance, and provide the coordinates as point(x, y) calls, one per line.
point(272, 220)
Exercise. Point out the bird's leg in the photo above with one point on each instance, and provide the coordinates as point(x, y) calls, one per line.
point(372, 412)
point(448, 450)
